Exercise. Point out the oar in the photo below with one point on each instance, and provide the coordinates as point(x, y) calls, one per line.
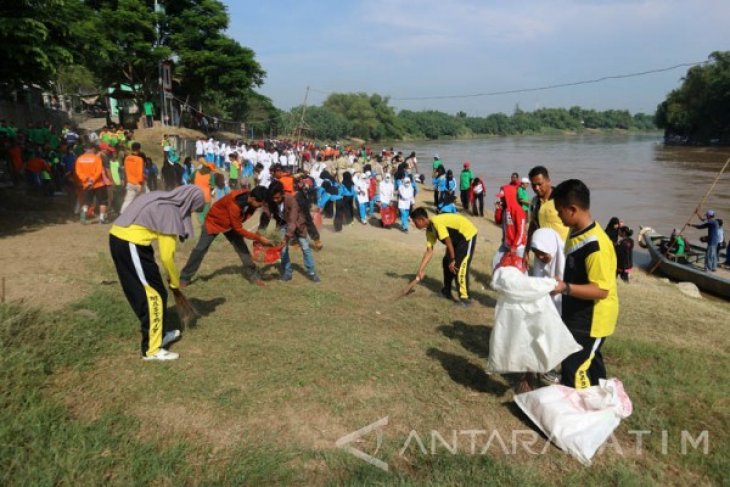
point(696, 211)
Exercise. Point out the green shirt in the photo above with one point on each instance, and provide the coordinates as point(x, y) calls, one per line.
point(466, 177)
point(149, 109)
point(522, 195)
point(679, 245)
point(54, 141)
point(233, 173)
point(437, 163)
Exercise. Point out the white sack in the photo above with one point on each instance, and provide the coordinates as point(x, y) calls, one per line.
point(528, 333)
point(578, 421)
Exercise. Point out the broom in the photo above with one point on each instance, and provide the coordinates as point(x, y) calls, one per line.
point(408, 289)
point(185, 309)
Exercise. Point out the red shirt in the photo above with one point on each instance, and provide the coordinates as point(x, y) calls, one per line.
point(36, 165)
point(514, 219)
point(225, 215)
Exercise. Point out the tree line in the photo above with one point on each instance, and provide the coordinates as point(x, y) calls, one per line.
point(698, 112)
point(71, 45)
point(370, 117)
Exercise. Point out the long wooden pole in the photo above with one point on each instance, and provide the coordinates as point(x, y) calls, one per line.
point(696, 211)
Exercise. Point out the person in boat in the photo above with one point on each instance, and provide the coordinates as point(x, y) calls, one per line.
point(713, 238)
point(675, 247)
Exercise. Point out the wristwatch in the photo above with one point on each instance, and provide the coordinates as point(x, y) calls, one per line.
point(566, 290)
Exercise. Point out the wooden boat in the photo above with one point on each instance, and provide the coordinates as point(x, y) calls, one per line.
point(690, 269)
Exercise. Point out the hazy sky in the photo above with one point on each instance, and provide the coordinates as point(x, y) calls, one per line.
point(408, 48)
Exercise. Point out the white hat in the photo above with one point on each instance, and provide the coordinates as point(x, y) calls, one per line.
point(525, 180)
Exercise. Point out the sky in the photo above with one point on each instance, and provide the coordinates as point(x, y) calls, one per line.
point(426, 48)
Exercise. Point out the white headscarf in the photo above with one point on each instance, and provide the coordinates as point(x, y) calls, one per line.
point(547, 240)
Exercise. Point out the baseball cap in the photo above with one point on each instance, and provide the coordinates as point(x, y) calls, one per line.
point(525, 180)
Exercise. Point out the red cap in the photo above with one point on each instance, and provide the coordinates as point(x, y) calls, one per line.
point(467, 164)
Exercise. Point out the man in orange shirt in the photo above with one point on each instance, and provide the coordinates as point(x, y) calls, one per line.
point(226, 216)
point(88, 172)
point(286, 179)
point(134, 174)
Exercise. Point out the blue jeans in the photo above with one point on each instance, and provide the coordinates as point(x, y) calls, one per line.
point(404, 218)
point(306, 252)
point(372, 205)
point(711, 258)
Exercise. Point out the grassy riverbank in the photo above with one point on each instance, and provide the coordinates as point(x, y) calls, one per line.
point(270, 378)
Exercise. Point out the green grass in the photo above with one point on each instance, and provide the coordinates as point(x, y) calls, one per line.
point(269, 378)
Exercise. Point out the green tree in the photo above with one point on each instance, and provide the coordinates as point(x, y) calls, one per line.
point(35, 40)
point(370, 116)
point(125, 35)
point(210, 64)
point(323, 123)
point(699, 110)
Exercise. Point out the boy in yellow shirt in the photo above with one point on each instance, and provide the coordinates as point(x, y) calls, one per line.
point(590, 302)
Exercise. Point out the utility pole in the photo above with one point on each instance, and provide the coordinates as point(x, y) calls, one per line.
point(302, 125)
point(163, 109)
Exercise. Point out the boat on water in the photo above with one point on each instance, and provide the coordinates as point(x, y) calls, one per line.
point(689, 269)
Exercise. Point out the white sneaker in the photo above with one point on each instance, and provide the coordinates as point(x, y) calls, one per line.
point(162, 354)
point(170, 337)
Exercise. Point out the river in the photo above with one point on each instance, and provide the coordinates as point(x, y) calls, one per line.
point(634, 177)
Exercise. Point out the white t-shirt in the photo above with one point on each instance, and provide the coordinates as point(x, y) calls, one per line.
point(264, 178)
point(362, 191)
point(386, 192)
point(405, 196)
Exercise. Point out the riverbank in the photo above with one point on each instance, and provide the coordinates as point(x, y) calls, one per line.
point(270, 378)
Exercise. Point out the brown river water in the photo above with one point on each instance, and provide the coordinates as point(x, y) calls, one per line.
point(633, 177)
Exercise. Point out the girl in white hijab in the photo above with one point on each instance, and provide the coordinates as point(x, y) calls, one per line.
point(549, 257)
point(406, 198)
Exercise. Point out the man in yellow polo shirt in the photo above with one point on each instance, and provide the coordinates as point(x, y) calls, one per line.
point(460, 236)
point(542, 209)
point(590, 301)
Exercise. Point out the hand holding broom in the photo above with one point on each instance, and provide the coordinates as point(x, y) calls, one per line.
point(185, 309)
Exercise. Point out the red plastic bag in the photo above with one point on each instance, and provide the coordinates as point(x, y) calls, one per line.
point(387, 215)
point(266, 255)
point(498, 215)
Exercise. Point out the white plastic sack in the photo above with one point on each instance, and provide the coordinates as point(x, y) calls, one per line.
point(578, 421)
point(528, 333)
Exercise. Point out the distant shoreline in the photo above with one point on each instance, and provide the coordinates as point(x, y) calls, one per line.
point(560, 133)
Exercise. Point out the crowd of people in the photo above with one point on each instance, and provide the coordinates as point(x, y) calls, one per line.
point(296, 186)
point(100, 173)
